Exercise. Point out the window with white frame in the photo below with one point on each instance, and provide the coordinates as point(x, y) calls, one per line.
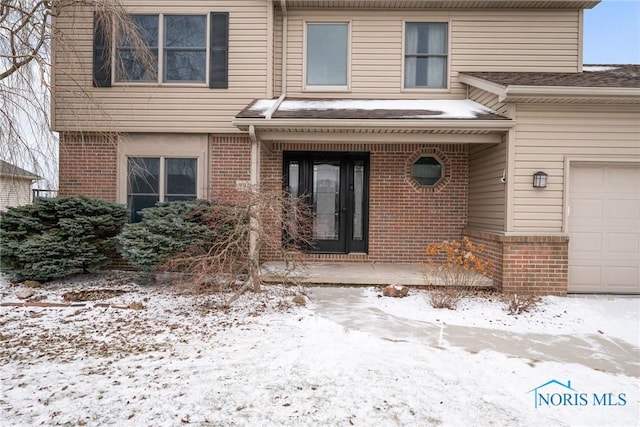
point(178, 46)
point(425, 55)
point(327, 55)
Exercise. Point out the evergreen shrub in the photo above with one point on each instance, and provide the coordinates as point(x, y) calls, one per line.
point(173, 228)
point(58, 237)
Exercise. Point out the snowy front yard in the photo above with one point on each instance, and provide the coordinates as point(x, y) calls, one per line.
point(347, 358)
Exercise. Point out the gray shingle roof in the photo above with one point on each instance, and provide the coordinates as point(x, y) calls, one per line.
point(607, 76)
point(10, 170)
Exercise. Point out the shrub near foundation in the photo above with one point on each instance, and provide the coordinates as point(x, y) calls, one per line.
point(458, 267)
point(55, 238)
point(170, 229)
point(456, 263)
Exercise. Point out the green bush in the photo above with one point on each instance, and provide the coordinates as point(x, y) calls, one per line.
point(170, 229)
point(58, 237)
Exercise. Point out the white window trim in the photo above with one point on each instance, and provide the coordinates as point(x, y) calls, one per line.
point(161, 42)
point(445, 89)
point(325, 88)
point(163, 145)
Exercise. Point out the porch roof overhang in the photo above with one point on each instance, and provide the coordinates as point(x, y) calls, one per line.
point(608, 84)
point(441, 4)
point(275, 120)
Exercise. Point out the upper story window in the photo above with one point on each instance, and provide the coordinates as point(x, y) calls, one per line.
point(327, 56)
point(132, 67)
point(182, 49)
point(425, 55)
point(181, 57)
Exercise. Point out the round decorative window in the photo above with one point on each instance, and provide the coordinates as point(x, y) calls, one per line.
point(427, 171)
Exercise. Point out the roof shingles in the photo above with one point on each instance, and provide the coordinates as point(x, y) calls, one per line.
point(602, 76)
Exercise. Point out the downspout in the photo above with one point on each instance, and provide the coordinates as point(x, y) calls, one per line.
point(254, 213)
point(255, 220)
point(283, 84)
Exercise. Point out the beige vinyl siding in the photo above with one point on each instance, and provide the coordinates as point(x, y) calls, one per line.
point(166, 107)
point(487, 99)
point(487, 196)
point(14, 192)
point(546, 135)
point(277, 53)
point(495, 40)
point(516, 41)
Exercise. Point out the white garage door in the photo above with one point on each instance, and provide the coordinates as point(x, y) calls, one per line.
point(604, 228)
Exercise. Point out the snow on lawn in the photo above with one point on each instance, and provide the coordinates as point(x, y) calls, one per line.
point(348, 358)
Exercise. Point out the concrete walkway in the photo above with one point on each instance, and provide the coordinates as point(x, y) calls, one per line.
point(348, 307)
point(350, 273)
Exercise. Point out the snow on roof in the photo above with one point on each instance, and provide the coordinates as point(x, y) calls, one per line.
point(598, 68)
point(371, 108)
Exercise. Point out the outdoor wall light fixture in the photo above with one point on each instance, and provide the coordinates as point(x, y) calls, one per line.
point(540, 180)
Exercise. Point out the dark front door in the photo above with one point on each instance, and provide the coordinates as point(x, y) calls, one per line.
point(336, 187)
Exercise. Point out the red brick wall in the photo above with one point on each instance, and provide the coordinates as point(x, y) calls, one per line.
point(403, 218)
point(88, 164)
point(527, 264)
point(230, 161)
point(492, 251)
point(536, 265)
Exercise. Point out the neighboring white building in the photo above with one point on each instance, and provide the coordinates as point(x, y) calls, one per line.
point(15, 185)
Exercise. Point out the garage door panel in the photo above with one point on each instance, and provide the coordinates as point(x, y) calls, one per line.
point(623, 245)
point(592, 209)
point(624, 178)
point(622, 209)
point(587, 277)
point(622, 279)
point(604, 228)
point(586, 243)
point(587, 179)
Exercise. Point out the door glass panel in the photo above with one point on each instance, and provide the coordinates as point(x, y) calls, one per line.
point(358, 200)
point(326, 200)
point(294, 179)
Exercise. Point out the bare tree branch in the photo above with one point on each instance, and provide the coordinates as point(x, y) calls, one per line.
point(27, 28)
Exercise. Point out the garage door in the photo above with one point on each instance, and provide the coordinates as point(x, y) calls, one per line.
point(604, 228)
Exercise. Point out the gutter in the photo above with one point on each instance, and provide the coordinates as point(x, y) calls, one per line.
point(283, 84)
point(571, 91)
point(422, 124)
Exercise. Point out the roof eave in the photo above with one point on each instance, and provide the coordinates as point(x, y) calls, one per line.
point(20, 177)
point(422, 124)
point(512, 92)
point(442, 4)
point(507, 93)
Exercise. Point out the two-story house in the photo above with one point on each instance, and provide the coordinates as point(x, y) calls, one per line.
point(405, 122)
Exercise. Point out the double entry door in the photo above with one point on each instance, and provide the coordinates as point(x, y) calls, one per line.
point(336, 187)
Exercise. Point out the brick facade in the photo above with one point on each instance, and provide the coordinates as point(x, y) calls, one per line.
point(229, 162)
point(88, 165)
point(403, 217)
point(527, 264)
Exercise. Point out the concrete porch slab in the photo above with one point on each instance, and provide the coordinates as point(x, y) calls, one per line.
point(349, 273)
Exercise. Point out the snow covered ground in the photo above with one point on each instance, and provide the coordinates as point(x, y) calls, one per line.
point(348, 358)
